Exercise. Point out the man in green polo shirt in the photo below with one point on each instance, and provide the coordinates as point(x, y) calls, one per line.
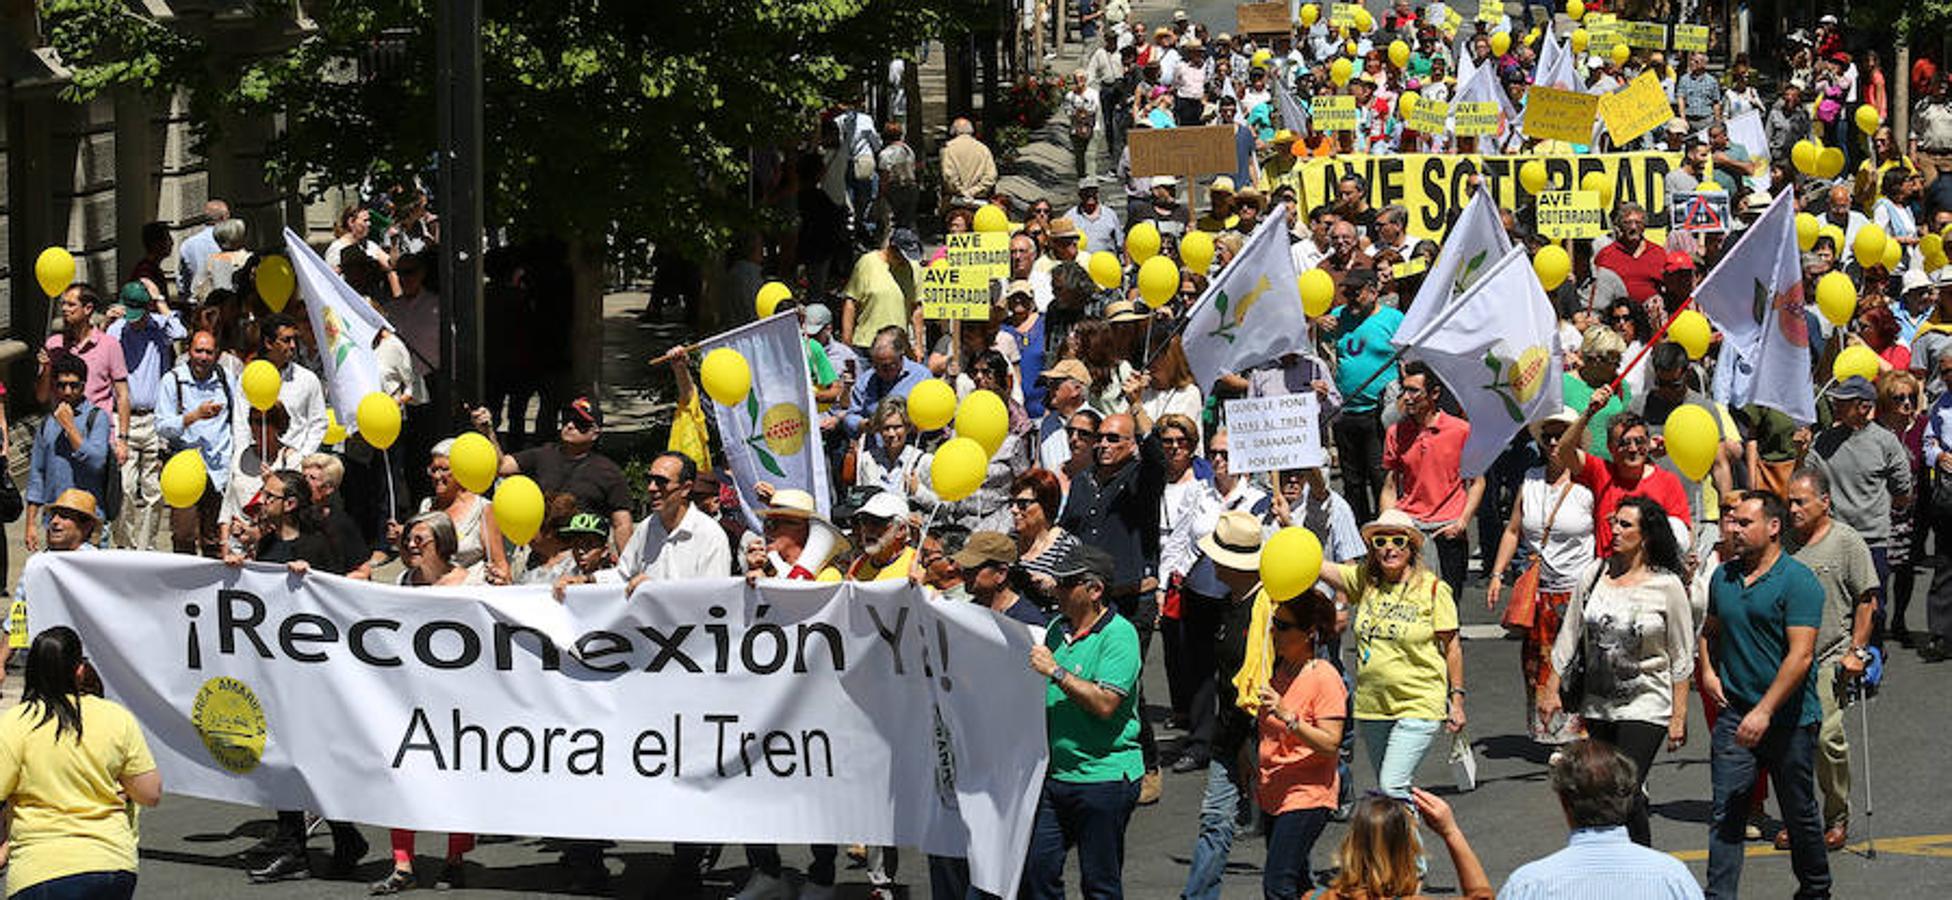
point(1757, 650)
point(1091, 657)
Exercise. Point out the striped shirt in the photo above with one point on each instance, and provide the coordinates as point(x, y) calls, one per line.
point(1602, 864)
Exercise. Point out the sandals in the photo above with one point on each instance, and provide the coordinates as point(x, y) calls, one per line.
point(395, 882)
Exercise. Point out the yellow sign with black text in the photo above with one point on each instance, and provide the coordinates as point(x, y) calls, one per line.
point(1557, 115)
point(1570, 214)
point(1692, 38)
point(955, 292)
point(1472, 118)
point(985, 253)
point(1641, 108)
point(1430, 116)
point(1337, 113)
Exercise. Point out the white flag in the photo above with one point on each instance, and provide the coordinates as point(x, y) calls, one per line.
point(770, 437)
point(1251, 313)
point(1755, 298)
point(1470, 247)
point(1496, 349)
point(345, 326)
point(1292, 117)
point(1555, 69)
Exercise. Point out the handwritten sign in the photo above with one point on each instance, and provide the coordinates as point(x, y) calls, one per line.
point(1452, 20)
point(1699, 212)
point(985, 253)
point(1641, 108)
point(1207, 150)
point(1262, 18)
point(1692, 38)
point(1268, 434)
point(1557, 115)
point(955, 292)
point(1474, 117)
point(1571, 214)
point(1430, 116)
point(1337, 113)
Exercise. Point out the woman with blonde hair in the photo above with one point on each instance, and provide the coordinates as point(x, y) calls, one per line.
point(1380, 856)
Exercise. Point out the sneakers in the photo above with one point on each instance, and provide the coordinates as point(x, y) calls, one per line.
point(764, 887)
point(1149, 787)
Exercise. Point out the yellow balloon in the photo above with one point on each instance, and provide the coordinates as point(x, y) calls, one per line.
point(1807, 227)
point(770, 294)
point(1105, 270)
point(1867, 119)
point(1500, 43)
point(473, 461)
point(1309, 14)
point(991, 218)
point(379, 420)
point(275, 281)
point(1317, 292)
point(1835, 234)
point(1532, 175)
point(518, 508)
point(1803, 154)
point(1575, 10)
point(335, 432)
point(1857, 360)
point(1691, 438)
point(1580, 40)
point(261, 383)
point(1399, 54)
point(1142, 242)
point(1196, 251)
point(1291, 560)
point(1829, 162)
point(1598, 183)
point(958, 468)
point(1364, 21)
point(1893, 255)
point(1931, 246)
point(1158, 280)
point(931, 404)
point(726, 375)
point(1868, 244)
point(1349, 47)
point(983, 417)
point(1690, 330)
point(55, 270)
point(1340, 71)
point(1531, 37)
point(1836, 298)
point(184, 478)
point(1552, 265)
point(1260, 59)
point(1405, 102)
point(1621, 53)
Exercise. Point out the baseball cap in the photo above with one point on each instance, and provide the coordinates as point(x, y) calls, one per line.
point(1019, 286)
point(583, 411)
point(1222, 185)
point(1679, 261)
point(1083, 561)
point(1856, 387)
point(884, 505)
point(135, 300)
point(585, 523)
point(986, 547)
point(905, 241)
point(818, 317)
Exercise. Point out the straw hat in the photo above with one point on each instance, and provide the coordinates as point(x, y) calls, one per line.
point(1394, 521)
point(1235, 541)
point(79, 502)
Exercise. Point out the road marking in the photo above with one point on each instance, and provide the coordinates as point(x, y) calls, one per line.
point(1482, 632)
point(1931, 846)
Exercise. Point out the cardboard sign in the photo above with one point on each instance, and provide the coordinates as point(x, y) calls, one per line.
point(1474, 117)
point(1693, 38)
point(1557, 115)
point(1491, 11)
point(1206, 150)
point(1262, 18)
point(1268, 434)
point(1645, 35)
point(985, 253)
point(956, 292)
point(1430, 116)
point(1337, 113)
point(1570, 214)
point(1410, 267)
point(1641, 108)
point(1343, 15)
point(1699, 212)
point(1452, 20)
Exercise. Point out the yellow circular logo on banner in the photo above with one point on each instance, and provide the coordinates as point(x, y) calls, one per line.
point(230, 720)
point(785, 428)
point(1529, 375)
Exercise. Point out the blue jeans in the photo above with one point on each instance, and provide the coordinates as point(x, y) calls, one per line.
point(1290, 838)
point(1091, 816)
point(1222, 811)
point(1396, 748)
point(949, 879)
point(85, 886)
point(1789, 753)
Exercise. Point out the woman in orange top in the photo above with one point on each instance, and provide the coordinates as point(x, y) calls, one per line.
point(1302, 711)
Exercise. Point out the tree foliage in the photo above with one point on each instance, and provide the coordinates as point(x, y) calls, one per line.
point(618, 118)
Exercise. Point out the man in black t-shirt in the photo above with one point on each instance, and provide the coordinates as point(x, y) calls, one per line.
point(571, 465)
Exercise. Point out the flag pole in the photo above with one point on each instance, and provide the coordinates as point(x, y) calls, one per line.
point(1443, 318)
point(1656, 339)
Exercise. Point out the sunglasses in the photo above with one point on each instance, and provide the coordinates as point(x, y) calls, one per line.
point(658, 481)
point(1086, 434)
point(1022, 503)
point(1111, 437)
point(67, 385)
point(1904, 398)
point(1283, 625)
point(1385, 541)
point(1632, 442)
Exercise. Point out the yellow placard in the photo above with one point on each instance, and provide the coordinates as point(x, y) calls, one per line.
point(1557, 115)
point(1434, 187)
point(1641, 108)
point(1452, 20)
point(1337, 113)
point(1430, 116)
point(1603, 29)
point(1570, 214)
point(1491, 10)
point(1474, 117)
point(1645, 35)
point(1693, 38)
point(986, 254)
point(1410, 267)
point(955, 292)
point(1343, 15)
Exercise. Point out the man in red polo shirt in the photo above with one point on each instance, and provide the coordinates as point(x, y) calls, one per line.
point(1422, 455)
point(1639, 263)
point(1629, 474)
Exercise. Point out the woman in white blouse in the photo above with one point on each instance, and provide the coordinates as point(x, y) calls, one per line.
point(1552, 521)
point(1165, 389)
point(887, 463)
point(1629, 620)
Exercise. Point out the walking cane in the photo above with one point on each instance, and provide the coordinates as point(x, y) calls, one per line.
point(1864, 712)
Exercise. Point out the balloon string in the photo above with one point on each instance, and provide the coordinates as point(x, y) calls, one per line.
point(386, 462)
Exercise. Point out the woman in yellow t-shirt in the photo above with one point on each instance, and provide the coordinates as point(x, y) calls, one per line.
point(71, 832)
point(1410, 669)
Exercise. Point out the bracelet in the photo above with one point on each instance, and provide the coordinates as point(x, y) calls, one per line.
point(1458, 692)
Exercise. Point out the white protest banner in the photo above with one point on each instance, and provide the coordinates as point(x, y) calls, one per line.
point(700, 710)
point(770, 437)
point(1271, 434)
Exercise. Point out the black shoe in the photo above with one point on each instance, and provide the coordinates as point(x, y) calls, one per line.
point(346, 857)
point(587, 876)
point(284, 867)
point(452, 877)
point(1902, 636)
point(394, 882)
point(1189, 762)
point(1934, 651)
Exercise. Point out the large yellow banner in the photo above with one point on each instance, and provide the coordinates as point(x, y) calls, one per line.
point(1435, 187)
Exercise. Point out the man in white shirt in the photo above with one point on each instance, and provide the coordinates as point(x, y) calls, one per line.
point(1098, 222)
point(301, 394)
point(677, 540)
point(199, 247)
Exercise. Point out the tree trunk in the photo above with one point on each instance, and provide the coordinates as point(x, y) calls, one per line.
point(1901, 94)
point(586, 314)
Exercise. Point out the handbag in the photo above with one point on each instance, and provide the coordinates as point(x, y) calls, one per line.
point(1463, 762)
point(12, 504)
point(1521, 611)
point(1572, 678)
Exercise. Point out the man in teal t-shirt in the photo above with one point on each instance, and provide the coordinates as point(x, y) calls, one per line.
point(1757, 650)
point(1090, 655)
point(1363, 329)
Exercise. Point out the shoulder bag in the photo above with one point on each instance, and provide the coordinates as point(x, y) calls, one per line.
point(1572, 678)
point(1521, 610)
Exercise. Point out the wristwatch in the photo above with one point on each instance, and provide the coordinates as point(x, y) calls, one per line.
point(1059, 674)
point(1862, 653)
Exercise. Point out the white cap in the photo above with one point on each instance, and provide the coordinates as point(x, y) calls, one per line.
point(818, 316)
point(885, 505)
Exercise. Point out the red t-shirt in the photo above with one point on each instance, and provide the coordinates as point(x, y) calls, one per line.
point(1642, 274)
point(1427, 460)
point(1609, 489)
